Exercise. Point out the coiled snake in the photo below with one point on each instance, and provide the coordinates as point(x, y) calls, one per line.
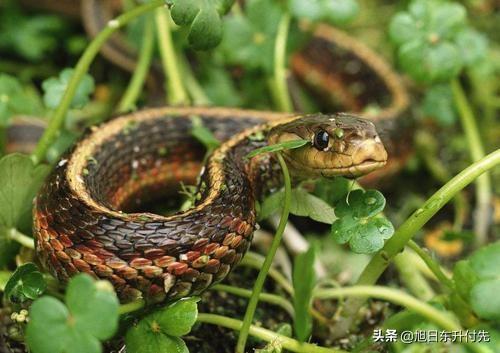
point(84, 219)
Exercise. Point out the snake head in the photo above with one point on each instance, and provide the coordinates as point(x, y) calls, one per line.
point(341, 145)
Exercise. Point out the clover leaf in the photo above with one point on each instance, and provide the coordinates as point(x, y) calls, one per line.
point(90, 315)
point(249, 40)
point(432, 37)
point(55, 87)
point(337, 12)
point(25, 282)
point(32, 37)
point(478, 281)
point(438, 104)
point(304, 280)
point(203, 18)
point(161, 330)
point(360, 223)
point(14, 99)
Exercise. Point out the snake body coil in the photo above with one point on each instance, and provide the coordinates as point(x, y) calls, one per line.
point(84, 214)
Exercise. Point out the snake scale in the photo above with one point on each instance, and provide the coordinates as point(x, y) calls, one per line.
point(88, 216)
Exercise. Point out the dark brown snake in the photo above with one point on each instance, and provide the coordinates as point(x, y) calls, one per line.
point(84, 219)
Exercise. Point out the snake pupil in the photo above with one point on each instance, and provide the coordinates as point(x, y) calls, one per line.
point(321, 139)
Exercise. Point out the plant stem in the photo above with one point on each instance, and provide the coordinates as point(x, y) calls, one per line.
point(132, 306)
point(3, 140)
point(193, 87)
point(395, 296)
point(261, 277)
point(21, 238)
point(57, 118)
point(406, 231)
point(133, 90)
point(176, 93)
point(280, 72)
point(266, 335)
point(254, 260)
point(433, 265)
point(412, 278)
point(483, 190)
point(265, 297)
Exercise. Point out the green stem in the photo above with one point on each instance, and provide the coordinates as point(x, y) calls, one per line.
point(261, 277)
point(193, 87)
point(443, 319)
point(132, 306)
point(433, 265)
point(266, 335)
point(412, 278)
point(395, 296)
point(483, 190)
point(57, 119)
point(3, 140)
point(21, 238)
point(134, 88)
point(255, 261)
point(265, 297)
point(406, 231)
point(176, 93)
point(280, 72)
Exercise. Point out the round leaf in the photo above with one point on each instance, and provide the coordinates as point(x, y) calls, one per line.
point(27, 282)
point(485, 300)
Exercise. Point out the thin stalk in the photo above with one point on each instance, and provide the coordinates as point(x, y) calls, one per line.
point(433, 265)
point(134, 88)
point(483, 190)
point(21, 238)
point(412, 279)
point(131, 307)
point(395, 296)
point(254, 260)
point(265, 297)
point(3, 140)
point(443, 319)
point(261, 277)
point(176, 93)
point(406, 231)
point(280, 72)
point(266, 335)
point(193, 87)
point(57, 118)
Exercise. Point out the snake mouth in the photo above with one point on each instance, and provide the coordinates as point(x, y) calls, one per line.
point(354, 171)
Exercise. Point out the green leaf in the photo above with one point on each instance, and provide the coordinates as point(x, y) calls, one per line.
point(478, 281)
point(203, 18)
point(202, 134)
point(249, 40)
point(337, 12)
point(91, 315)
point(485, 300)
point(302, 204)
point(33, 37)
point(55, 87)
point(332, 190)
point(160, 331)
point(361, 204)
point(307, 205)
point(304, 280)
point(20, 179)
point(360, 223)
point(25, 282)
point(15, 100)
point(431, 36)
point(473, 46)
point(286, 145)
point(438, 104)
point(178, 318)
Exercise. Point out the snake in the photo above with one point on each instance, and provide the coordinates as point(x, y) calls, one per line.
point(92, 213)
point(84, 214)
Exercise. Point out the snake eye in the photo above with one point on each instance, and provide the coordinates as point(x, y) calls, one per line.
point(321, 140)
